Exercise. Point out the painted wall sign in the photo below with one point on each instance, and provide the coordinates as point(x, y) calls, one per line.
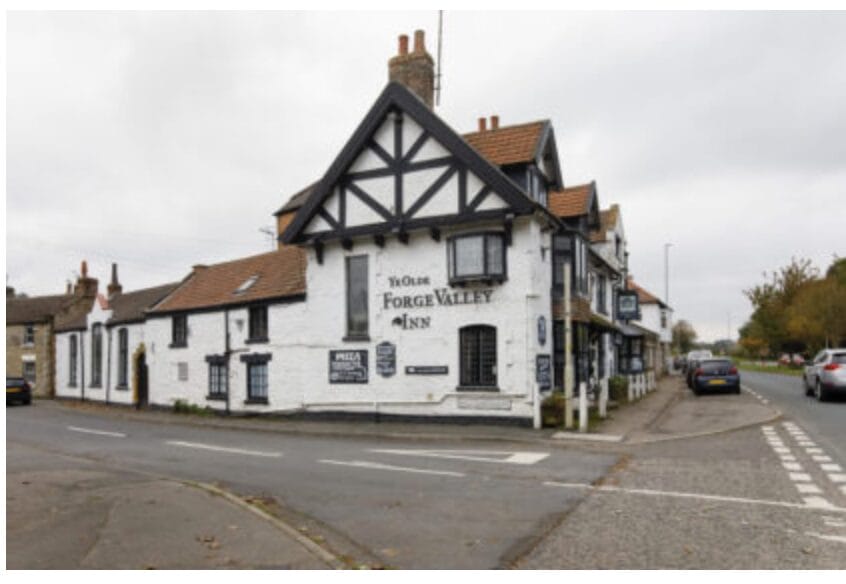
point(543, 371)
point(542, 330)
point(386, 359)
point(437, 297)
point(427, 370)
point(412, 322)
point(348, 366)
point(627, 305)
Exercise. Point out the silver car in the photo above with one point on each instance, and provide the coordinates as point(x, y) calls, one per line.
point(826, 375)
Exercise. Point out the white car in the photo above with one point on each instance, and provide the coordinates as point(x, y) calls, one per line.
point(826, 375)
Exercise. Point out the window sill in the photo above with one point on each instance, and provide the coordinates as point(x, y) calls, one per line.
point(122, 387)
point(95, 387)
point(477, 388)
point(72, 385)
point(177, 346)
point(257, 341)
point(488, 280)
point(256, 401)
point(216, 397)
point(356, 339)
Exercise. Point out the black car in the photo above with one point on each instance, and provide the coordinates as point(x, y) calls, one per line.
point(716, 375)
point(18, 390)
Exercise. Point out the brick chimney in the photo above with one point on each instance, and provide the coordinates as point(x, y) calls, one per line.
point(85, 287)
point(114, 286)
point(494, 122)
point(415, 70)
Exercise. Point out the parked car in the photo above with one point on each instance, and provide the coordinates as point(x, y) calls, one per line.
point(693, 360)
point(18, 390)
point(826, 374)
point(716, 374)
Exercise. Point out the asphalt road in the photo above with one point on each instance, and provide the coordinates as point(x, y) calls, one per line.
point(825, 422)
point(409, 505)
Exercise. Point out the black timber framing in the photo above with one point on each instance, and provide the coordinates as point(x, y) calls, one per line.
point(397, 101)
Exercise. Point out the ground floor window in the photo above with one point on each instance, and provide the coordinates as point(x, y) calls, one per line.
point(558, 353)
point(257, 379)
point(581, 354)
point(218, 379)
point(73, 361)
point(29, 371)
point(478, 357)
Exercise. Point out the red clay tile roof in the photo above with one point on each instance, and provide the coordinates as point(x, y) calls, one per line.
point(607, 219)
point(571, 202)
point(508, 145)
point(643, 295)
point(280, 274)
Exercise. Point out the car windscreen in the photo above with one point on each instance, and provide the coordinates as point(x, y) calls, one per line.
point(715, 366)
point(14, 382)
point(839, 358)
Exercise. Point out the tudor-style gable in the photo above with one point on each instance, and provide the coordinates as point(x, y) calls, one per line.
point(404, 169)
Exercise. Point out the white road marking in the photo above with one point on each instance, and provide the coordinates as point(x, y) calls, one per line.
point(225, 449)
point(808, 489)
point(792, 466)
point(814, 450)
point(834, 522)
point(817, 503)
point(806, 444)
point(474, 455)
point(781, 450)
point(765, 401)
point(380, 466)
point(831, 467)
point(788, 458)
point(800, 477)
point(843, 489)
point(837, 538)
point(682, 495)
point(97, 432)
point(837, 478)
point(821, 458)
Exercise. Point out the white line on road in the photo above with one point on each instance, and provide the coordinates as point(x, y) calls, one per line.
point(792, 466)
point(814, 450)
point(821, 458)
point(831, 467)
point(837, 538)
point(682, 495)
point(474, 455)
point(380, 466)
point(837, 478)
point(800, 477)
point(808, 489)
point(817, 502)
point(97, 432)
point(225, 449)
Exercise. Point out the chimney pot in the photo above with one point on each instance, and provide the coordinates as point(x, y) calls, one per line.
point(494, 122)
point(84, 269)
point(419, 41)
point(403, 45)
point(483, 124)
point(114, 286)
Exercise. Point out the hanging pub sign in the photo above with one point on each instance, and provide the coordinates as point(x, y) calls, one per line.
point(543, 372)
point(386, 359)
point(348, 366)
point(542, 330)
point(628, 307)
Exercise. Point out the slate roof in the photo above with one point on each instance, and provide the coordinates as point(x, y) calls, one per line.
point(281, 274)
point(571, 201)
point(131, 306)
point(76, 319)
point(517, 144)
point(34, 309)
point(296, 201)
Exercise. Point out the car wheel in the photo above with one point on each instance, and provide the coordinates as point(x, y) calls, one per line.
point(737, 389)
point(819, 392)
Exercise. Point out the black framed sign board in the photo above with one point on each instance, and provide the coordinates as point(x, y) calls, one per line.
point(426, 370)
point(628, 307)
point(386, 359)
point(348, 366)
point(543, 372)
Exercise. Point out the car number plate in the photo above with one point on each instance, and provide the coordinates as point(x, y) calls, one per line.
point(717, 382)
point(13, 390)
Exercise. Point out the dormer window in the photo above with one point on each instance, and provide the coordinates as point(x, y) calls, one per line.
point(477, 256)
point(248, 283)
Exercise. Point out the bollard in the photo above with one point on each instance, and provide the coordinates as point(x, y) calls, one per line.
point(583, 407)
point(603, 398)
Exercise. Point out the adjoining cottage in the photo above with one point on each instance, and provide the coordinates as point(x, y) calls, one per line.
point(100, 353)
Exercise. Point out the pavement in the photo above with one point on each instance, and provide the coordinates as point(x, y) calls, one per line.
point(669, 412)
point(93, 516)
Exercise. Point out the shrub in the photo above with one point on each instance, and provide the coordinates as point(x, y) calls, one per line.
point(552, 410)
point(618, 389)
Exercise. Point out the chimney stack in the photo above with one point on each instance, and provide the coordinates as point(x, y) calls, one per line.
point(483, 124)
point(114, 286)
point(85, 287)
point(415, 70)
point(494, 122)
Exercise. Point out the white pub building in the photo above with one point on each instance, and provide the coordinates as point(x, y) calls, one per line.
point(414, 279)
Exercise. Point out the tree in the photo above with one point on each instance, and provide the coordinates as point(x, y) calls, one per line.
point(683, 336)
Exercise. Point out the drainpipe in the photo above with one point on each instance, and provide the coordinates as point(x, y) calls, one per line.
point(568, 351)
point(108, 363)
point(82, 363)
point(226, 352)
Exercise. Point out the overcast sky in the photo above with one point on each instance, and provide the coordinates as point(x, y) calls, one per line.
point(162, 140)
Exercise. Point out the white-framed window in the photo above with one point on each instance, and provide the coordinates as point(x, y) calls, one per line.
point(476, 256)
